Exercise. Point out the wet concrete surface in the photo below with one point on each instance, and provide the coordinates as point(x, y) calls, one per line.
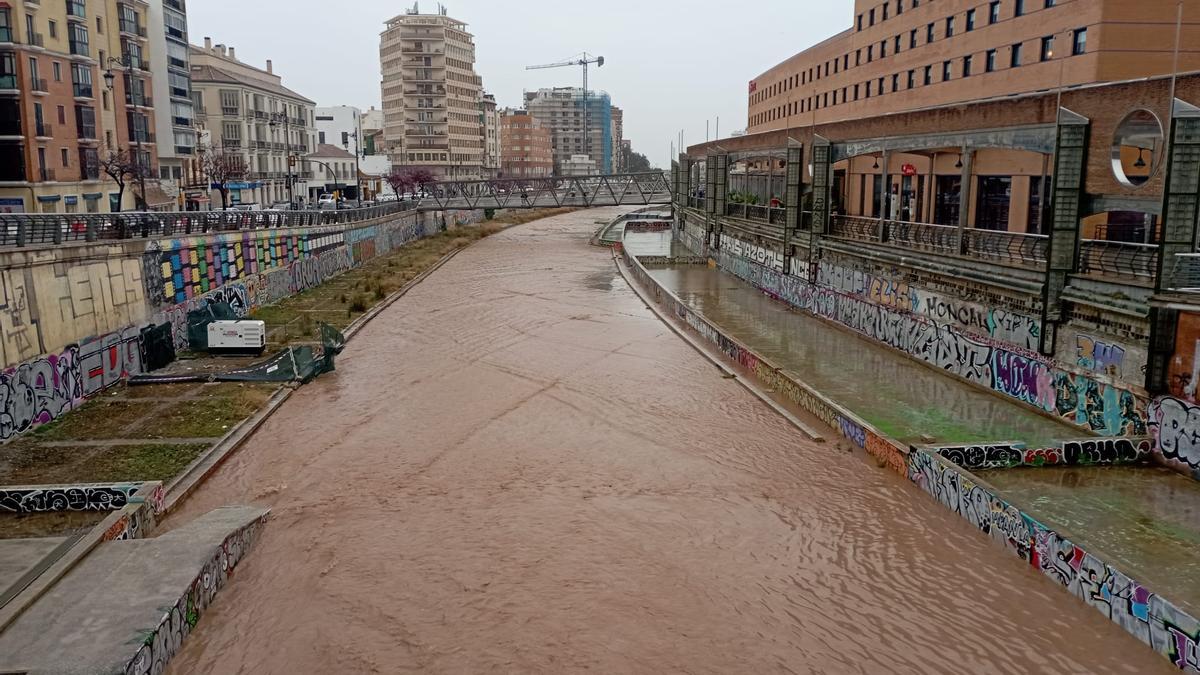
point(1145, 521)
point(518, 468)
point(904, 399)
point(18, 556)
point(655, 244)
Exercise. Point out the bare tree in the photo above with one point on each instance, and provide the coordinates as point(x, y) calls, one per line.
point(223, 168)
point(124, 168)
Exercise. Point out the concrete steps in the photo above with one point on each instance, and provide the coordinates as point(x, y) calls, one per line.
point(128, 606)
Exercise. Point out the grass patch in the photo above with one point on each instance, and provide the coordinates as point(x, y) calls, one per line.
point(150, 461)
point(210, 415)
point(100, 418)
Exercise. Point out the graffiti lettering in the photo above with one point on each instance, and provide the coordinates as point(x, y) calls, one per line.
point(82, 498)
point(1176, 427)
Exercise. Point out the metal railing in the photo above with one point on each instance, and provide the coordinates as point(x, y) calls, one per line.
point(1009, 247)
point(21, 229)
point(1185, 273)
point(854, 227)
point(696, 202)
point(922, 236)
point(1118, 259)
point(765, 214)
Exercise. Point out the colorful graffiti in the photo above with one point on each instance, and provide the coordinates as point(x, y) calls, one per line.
point(164, 641)
point(1176, 427)
point(1098, 356)
point(66, 498)
point(1019, 374)
point(1151, 618)
point(1086, 452)
point(38, 392)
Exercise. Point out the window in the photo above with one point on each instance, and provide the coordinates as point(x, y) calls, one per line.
point(846, 62)
point(896, 50)
point(990, 65)
point(883, 49)
point(1049, 4)
point(53, 29)
point(870, 53)
point(885, 12)
point(868, 90)
point(970, 20)
point(6, 31)
point(880, 89)
point(65, 158)
point(928, 75)
point(899, 6)
point(872, 18)
point(57, 68)
point(1016, 56)
point(858, 57)
point(1018, 8)
point(946, 71)
point(856, 92)
point(912, 39)
point(896, 82)
point(1047, 48)
point(966, 71)
point(912, 79)
point(1079, 44)
point(99, 26)
point(994, 11)
point(836, 62)
point(81, 80)
point(860, 21)
point(928, 33)
point(949, 26)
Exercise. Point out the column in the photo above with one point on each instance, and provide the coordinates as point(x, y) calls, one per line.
point(822, 154)
point(793, 190)
point(1181, 203)
point(885, 201)
point(967, 158)
point(1070, 164)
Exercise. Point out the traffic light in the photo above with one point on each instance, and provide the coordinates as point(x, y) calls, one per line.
point(291, 160)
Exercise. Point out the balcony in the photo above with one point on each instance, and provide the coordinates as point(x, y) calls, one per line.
point(43, 130)
point(6, 34)
point(36, 40)
point(421, 50)
point(141, 137)
point(424, 134)
point(131, 28)
point(11, 127)
point(138, 100)
point(47, 175)
point(1119, 259)
point(135, 61)
point(9, 82)
point(87, 133)
point(1010, 248)
point(39, 85)
point(76, 10)
point(232, 144)
point(82, 90)
point(80, 49)
point(231, 112)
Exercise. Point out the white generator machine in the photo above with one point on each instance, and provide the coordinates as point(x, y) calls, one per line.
point(237, 337)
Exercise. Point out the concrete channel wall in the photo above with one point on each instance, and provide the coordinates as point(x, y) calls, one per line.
point(1153, 619)
point(987, 347)
point(71, 316)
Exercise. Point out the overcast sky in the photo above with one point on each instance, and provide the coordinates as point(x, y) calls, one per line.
point(671, 65)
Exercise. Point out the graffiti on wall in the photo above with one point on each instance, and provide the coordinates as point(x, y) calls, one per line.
point(1003, 326)
point(1148, 616)
point(1099, 356)
point(164, 641)
point(1085, 452)
point(753, 252)
point(1026, 377)
point(1183, 370)
point(1176, 427)
point(66, 498)
point(39, 392)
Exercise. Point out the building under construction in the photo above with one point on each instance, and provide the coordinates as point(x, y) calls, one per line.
point(561, 110)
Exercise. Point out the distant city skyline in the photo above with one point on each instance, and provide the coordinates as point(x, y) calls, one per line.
point(656, 68)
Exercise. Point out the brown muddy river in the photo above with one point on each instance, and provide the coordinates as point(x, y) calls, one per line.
point(518, 468)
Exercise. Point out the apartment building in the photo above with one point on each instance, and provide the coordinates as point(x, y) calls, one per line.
point(561, 111)
point(431, 95)
point(175, 123)
point(75, 85)
point(491, 134)
point(906, 56)
point(525, 146)
point(248, 113)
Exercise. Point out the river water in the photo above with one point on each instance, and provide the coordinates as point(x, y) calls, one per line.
point(518, 468)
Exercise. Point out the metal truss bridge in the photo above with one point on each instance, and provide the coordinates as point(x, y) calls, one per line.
point(634, 189)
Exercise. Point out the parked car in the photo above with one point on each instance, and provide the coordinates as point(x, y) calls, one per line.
point(327, 201)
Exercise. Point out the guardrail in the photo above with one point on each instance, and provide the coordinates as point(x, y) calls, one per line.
point(854, 227)
point(1118, 259)
point(763, 214)
point(36, 229)
point(1007, 247)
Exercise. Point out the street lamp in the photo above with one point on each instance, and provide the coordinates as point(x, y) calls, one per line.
point(274, 120)
point(110, 80)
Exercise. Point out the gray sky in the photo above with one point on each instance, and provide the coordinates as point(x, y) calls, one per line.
point(670, 65)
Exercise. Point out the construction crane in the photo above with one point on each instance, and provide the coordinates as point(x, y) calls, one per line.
point(585, 59)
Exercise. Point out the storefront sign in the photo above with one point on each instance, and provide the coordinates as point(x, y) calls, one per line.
point(908, 170)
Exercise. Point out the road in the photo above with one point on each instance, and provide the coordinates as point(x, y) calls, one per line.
point(518, 468)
